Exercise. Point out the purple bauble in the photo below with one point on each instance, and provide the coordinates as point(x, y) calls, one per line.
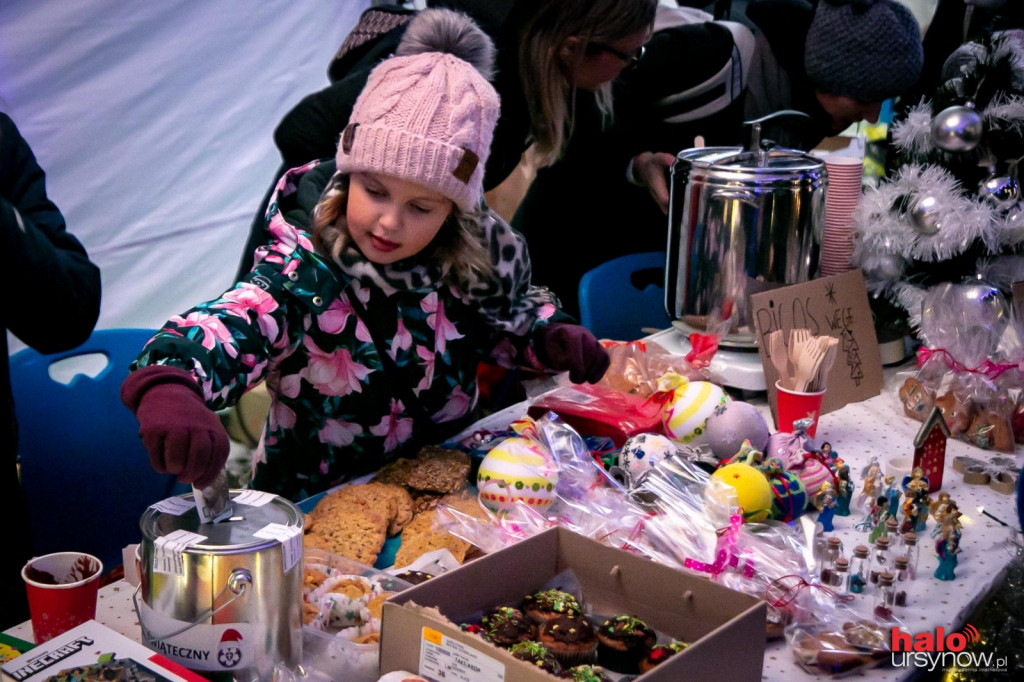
point(731, 424)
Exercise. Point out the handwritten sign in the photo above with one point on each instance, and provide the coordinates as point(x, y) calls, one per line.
point(831, 306)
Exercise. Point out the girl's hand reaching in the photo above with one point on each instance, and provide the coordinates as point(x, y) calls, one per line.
point(183, 436)
point(571, 347)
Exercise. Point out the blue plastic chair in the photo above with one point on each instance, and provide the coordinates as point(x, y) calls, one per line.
point(621, 298)
point(85, 471)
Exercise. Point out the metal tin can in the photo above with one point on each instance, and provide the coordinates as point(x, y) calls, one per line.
point(740, 222)
point(223, 598)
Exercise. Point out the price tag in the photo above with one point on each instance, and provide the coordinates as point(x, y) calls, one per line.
point(254, 498)
point(443, 658)
point(290, 538)
point(168, 549)
point(175, 506)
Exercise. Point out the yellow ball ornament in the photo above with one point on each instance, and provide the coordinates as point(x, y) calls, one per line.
point(753, 492)
point(517, 469)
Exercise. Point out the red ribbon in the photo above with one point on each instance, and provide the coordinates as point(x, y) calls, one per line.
point(726, 555)
point(702, 348)
point(988, 369)
point(787, 594)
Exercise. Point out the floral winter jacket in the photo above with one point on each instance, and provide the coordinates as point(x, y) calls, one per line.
point(334, 412)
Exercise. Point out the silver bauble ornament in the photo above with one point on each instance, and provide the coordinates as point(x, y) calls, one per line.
point(887, 267)
point(924, 215)
point(957, 129)
point(1000, 191)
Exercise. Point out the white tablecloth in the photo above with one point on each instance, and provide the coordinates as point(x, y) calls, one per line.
point(875, 427)
point(878, 428)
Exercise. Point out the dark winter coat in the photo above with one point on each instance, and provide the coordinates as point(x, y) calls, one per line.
point(52, 304)
point(337, 410)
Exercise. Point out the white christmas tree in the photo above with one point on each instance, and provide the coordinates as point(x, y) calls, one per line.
point(952, 210)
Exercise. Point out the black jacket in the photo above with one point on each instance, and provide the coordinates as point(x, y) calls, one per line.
point(52, 303)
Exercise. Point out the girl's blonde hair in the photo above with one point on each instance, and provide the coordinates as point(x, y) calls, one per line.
point(548, 89)
point(458, 243)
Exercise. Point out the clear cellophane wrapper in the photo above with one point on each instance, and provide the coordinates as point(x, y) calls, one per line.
point(833, 638)
point(588, 501)
point(636, 366)
point(969, 365)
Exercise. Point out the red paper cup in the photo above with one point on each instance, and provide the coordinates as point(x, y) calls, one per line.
point(792, 406)
point(62, 590)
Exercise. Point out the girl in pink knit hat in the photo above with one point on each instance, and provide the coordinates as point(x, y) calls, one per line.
point(385, 284)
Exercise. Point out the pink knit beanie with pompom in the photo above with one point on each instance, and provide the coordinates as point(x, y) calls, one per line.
point(427, 115)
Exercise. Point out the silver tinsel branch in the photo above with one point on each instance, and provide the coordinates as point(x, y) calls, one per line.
point(913, 134)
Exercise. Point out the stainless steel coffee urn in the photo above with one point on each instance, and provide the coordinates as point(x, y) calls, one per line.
point(740, 222)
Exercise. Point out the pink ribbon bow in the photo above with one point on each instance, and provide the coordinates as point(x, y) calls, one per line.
point(726, 556)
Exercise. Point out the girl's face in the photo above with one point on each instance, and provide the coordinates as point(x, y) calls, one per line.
point(593, 64)
point(391, 219)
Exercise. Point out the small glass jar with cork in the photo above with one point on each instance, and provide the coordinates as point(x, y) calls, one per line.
point(902, 578)
point(833, 552)
point(911, 550)
point(859, 569)
point(885, 597)
point(881, 559)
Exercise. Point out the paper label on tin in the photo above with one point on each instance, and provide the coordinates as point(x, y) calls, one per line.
point(290, 538)
point(224, 647)
point(168, 549)
point(443, 658)
point(254, 498)
point(175, 506)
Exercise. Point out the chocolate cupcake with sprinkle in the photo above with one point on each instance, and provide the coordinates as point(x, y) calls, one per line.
point(586, 673)
point(660, 653)
point(621, 643)
point(570, 637)
point(547, 604)
point(505, 626)
point(538, 655)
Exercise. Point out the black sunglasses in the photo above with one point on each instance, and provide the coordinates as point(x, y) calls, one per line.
point(631, 60)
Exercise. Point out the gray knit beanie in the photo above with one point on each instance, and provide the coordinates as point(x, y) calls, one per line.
point(868, 50)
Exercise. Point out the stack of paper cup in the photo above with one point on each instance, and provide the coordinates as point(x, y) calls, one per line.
point(844, 179)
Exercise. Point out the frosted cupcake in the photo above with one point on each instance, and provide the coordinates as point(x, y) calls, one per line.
point(571, 638)
point(621, 643)
point(547, 604)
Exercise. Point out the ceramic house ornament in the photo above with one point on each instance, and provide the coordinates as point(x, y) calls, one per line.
point(930, 448)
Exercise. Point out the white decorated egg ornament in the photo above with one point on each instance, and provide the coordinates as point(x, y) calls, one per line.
point(686, 411)
point(640, 453)
point(517, 469)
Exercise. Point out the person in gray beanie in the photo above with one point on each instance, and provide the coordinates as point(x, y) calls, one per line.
point(859, 53)
point(834, 60)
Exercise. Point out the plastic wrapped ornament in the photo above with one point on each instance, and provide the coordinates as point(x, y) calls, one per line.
point(641, 453)
point(957, 128)
point(789, 495)
point(1000, 191)
point(926, 215)
point(797, 453)
point(753, 493)
point(517, 469)
point(686, 412)
point(733, 422)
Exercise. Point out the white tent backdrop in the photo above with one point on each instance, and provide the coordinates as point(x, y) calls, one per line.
point(154, 123)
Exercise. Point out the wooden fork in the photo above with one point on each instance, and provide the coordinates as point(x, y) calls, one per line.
point(798, 340)
point(831, 346)
point(807, 364)
point(779, 357)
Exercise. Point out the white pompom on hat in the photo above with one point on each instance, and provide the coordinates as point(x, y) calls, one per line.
point(427, 115)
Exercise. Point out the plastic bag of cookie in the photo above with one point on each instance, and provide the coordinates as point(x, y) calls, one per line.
point(969, 364)
point(841, 645)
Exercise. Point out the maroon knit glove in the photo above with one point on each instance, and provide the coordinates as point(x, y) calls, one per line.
point(571, 347)
point(183, 436)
